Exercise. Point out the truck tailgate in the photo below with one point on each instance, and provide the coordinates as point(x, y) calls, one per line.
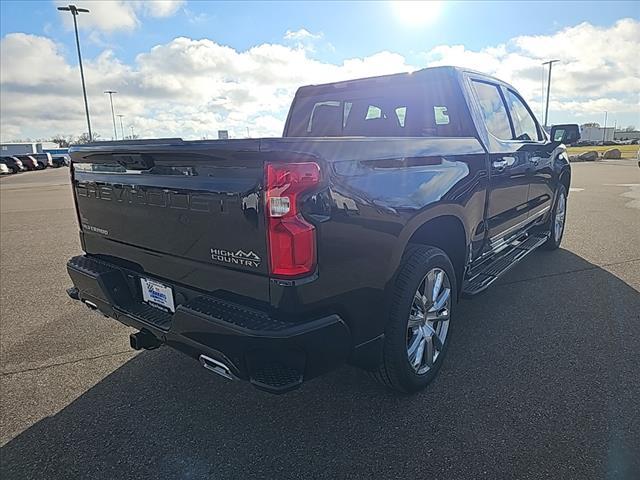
point(189, 211)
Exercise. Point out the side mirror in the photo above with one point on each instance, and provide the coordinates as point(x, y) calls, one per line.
point(567, 134)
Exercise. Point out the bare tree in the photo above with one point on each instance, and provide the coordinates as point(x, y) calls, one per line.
point(84, 138)
point(63, 141)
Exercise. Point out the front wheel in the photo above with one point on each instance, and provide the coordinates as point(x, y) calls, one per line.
point(419, 325)
point(557, 220)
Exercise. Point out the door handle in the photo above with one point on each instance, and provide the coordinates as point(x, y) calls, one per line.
point(503, 163)
point(534, 160)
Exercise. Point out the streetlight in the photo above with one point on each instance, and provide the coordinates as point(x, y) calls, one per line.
point(74, 12)
point(121, 127)
point(546, 110)
point(132, 134)
point(113, 117)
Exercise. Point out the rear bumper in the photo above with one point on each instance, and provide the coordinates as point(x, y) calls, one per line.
point(273, 355)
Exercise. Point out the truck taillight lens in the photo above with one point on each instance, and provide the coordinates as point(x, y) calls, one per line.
point(292, 240)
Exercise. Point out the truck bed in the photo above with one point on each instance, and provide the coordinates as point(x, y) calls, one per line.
point(193, 211)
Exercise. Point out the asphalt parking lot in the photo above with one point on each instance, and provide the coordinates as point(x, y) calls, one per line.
point(541, 379)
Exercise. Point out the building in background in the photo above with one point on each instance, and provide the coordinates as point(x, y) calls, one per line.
point(56, 151)
point(596, 133)
point(624, 135)
point(25, 148)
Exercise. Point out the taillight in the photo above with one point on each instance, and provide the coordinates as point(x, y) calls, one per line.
point(292, 240)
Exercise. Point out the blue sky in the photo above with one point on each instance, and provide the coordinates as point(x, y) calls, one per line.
point(122, 42)
point(242, 25)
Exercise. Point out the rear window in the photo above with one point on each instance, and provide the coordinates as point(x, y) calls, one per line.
point(396, 107)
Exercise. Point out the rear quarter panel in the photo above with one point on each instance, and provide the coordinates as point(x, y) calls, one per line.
point(379, 192)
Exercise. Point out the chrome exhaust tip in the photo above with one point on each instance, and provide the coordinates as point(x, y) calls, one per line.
point(217, 367)
point(91, 305)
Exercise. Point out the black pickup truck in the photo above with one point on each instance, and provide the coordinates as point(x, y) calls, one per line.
point(349, 239)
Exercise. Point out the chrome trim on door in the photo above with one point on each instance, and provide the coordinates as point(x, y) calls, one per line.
point(542, 211)
point(501, 235)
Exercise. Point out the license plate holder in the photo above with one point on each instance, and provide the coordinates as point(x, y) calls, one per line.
point(157, 294)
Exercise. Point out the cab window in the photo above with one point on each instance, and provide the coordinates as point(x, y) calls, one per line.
point(410, 106)
point(493, 109)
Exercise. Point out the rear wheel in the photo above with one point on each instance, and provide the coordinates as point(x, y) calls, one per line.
point(419, 326)
point(557, 220)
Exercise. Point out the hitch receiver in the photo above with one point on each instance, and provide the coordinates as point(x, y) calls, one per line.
point(144, 339)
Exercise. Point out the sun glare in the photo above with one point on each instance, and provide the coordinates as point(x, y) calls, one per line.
point(416, 13)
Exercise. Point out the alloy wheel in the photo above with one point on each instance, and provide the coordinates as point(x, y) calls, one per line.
point(428, 320)
point(558, 224)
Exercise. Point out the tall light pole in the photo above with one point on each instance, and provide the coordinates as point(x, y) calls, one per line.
point(113, 117)
point(604, 130)
point(121, 127)
point(74, 12)
point(132, 134)
point(546, 109)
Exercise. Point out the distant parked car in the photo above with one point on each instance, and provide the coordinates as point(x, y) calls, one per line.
point(13, 163)
point(43, 159)
point(60, 160)
point(29, 162)
point(4, 170)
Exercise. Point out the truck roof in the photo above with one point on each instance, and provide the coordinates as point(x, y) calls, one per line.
point(443, 70)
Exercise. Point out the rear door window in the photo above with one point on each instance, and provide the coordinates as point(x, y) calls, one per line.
point(523, 121)
point(493, 109)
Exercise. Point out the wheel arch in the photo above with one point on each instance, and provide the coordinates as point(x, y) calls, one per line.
point(565, 178)
point(446, 232)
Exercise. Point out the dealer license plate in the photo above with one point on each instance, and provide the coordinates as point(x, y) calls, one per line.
point(157, 294)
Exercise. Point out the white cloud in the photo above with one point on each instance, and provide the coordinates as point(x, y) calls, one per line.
point(595, 62)
point(196, 18)
point(158, 8)
point(304, 39)
point(302, 34)
point(192, 88)
point(188, 88)
point(112, 15)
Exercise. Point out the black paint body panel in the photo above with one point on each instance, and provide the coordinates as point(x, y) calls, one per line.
point(187, 198)
point(365, 212)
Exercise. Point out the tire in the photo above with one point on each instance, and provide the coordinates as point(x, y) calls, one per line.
point(419, 267)
point(556, 234)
